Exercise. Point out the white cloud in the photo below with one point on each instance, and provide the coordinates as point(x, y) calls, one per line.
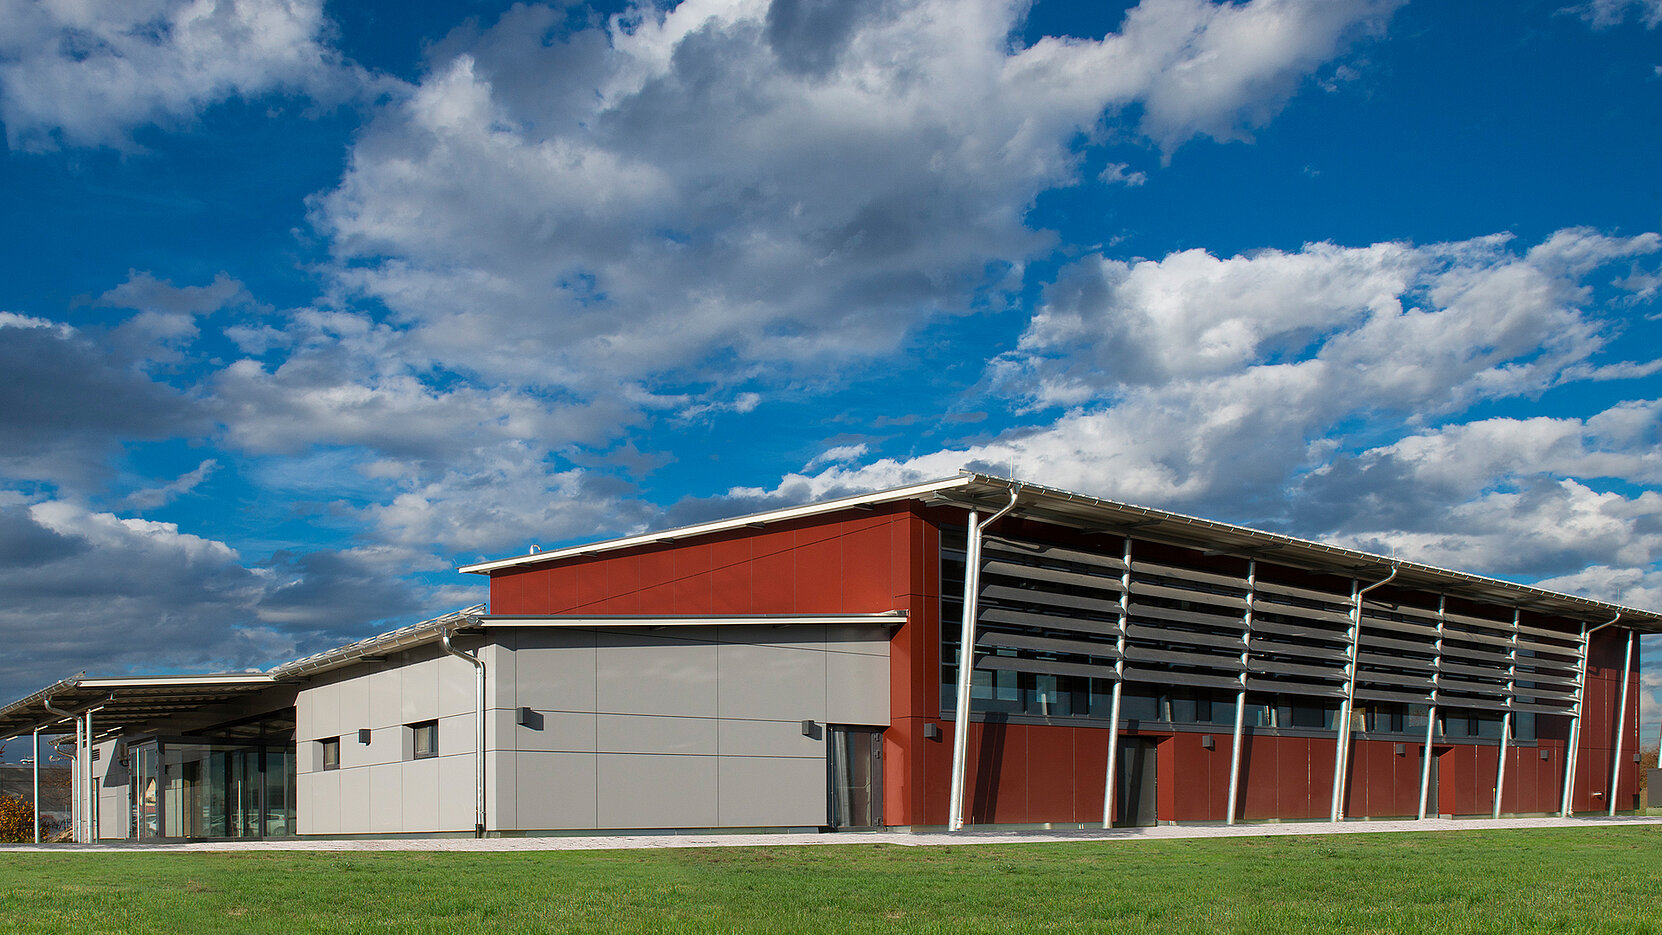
point(87, 589)
point(1232, 387)
point(1603, 14)
point(185, 483)
point(89, 72)
point(723, 190)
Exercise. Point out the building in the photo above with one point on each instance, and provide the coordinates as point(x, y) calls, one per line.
point(799, 669)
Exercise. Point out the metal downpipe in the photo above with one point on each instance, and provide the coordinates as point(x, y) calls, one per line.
point(1240, 696)
point(1621, 725)
point(1341, 752)
point(966, 658)
point(1573, 754)
point(478, 731)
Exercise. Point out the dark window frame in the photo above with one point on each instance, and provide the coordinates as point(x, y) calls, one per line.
point(420, 730)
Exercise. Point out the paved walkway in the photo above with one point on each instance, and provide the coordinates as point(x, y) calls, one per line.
point(901, 838)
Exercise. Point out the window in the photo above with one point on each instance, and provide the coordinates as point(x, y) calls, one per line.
point(331, 752)
point(424, 739)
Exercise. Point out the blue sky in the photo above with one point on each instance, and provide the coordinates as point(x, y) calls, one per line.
point(302, 304)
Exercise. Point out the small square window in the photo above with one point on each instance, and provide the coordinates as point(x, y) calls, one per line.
point(331, 752)
point(424, 739)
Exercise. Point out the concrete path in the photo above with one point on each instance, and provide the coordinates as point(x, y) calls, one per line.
point(901, 838)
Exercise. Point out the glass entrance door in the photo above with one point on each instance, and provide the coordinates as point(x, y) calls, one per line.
point(855, 765)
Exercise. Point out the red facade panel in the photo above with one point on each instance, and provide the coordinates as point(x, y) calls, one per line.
point(888, 558)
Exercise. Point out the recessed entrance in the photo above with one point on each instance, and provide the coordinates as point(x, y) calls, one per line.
point(1134, 784)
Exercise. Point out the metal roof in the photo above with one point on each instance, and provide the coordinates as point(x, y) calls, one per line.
point(1064, 507)
point(126, 701)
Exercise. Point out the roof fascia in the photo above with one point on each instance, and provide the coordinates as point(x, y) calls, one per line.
point(912, 492)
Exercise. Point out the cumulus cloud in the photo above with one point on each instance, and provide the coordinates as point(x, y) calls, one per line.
point(90, 590)
point(67, 402)
point(1233, 387)
point(89, 73)
point(723, 190)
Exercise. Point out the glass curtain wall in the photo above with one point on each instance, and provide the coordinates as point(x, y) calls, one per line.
point(226, 787)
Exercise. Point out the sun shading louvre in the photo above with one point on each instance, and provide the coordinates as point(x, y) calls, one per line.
point(1047, 609)
point(1300, 640)
point(1186, 625)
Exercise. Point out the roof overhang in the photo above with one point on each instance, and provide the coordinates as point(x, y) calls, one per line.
point(1048, 504)
point(121, 702)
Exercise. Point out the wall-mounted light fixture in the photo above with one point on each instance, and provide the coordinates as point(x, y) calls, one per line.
point(1207, 742)
point(931, 732)
point(1546, 754)
point(363, 735)
point(1402, 749)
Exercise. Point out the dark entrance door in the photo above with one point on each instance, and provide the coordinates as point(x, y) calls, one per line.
point(1134, 802)
point(854, 764)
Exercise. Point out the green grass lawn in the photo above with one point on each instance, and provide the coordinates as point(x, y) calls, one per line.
point(1558, 880)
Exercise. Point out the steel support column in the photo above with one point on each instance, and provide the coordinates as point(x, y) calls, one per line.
point(1240, 695)
point(36, 737)
point(966, 659)
point(1506, 719)
point(1621, 725)
point(1108, 789)
point(1566, 808)
point(1341, 751)
point(1431, 713)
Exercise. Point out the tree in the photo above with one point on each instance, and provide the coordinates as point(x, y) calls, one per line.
point(17, 820)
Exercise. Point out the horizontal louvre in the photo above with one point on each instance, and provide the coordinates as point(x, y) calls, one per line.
point(1021, 618)
point(1052, 553)
point(1334, 654)
point(1370, 661)
point(1475, 653)
point(1396, 678)
point(1171, 593)
point(1480, 704)
point(1280, 628)
point(1380, 694)
point(1053, 575)
point(1179, 657)
point(1287, 590)
point(1504, 626)
point(1469, 687)
point(1284, 667)
point(1541, 708)
point(1479, 671)
point(1045, 667)
point(1045, 644)
point(1187, 574)
point(1568, 636)
point(1370, 606)
point(1374, 641)
point(1398, 627)
point(1484, 639)
point(1297, 610)
point(1293, 687)
point(1140, 631)
point(1174, 677)
point(1140, 612)
point(1049, 599)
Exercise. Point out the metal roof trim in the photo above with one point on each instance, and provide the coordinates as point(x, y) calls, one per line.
point(415, 634)
point(909, 492)
point(599, 621)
